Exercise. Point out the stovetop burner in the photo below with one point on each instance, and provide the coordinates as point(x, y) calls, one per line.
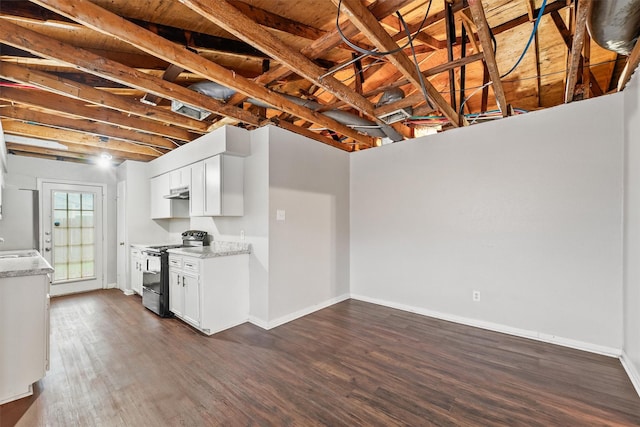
point(162, 248)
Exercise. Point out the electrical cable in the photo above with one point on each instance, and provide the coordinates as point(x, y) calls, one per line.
point(415, 60)
point(533, 33)
point(376, 52)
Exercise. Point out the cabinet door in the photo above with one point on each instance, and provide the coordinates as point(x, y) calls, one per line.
point(136, 271)
point(212, 186)
point(180, 177)
point(196, 195)
point(176, 301)
point(159, 187)
point(191, 286)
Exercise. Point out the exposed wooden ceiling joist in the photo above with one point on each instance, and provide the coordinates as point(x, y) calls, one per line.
point(38, 44)
point(58, 103)
point(321, 45)
point(98, 97)
point(369, 25)
point(630, 67)
point(231, 19)
point(65, 136)
point(86, 126)
point(479, 18)
point(582, 13)
point(108, 23)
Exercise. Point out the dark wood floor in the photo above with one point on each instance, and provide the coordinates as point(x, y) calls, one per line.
point(116, 364)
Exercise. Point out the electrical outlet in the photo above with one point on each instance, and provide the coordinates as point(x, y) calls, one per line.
point(476, 296)
point(280, 215)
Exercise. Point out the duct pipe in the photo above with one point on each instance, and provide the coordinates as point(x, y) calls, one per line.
point(615, 24)
point(223, 93)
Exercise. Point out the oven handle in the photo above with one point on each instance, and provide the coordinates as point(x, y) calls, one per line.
point(147, 264)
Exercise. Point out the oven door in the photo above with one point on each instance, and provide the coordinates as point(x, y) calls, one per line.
point(151, 282)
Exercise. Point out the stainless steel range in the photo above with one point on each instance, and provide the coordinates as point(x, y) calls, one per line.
point(155, 277)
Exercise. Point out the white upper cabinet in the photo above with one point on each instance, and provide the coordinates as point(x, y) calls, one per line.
point(162, 207)
point(217, 186)
point(180, 177)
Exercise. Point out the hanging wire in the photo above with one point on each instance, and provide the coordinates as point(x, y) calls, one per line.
point(415, 59)
point(533, 33)
point(375, 52)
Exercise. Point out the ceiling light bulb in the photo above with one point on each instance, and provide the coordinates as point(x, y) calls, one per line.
point(105, 160)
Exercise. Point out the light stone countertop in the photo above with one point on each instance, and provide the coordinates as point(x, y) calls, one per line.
point(23, 263)
point(217, 248)
point(146, 245)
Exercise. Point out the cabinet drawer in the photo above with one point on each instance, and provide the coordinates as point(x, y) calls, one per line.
point(175, 262)
point(191, 264)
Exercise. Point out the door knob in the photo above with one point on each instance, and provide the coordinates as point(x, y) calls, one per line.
point(47, 249)
point(121, 243)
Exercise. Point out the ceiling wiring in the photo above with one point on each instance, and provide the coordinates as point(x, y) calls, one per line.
point(376, 52)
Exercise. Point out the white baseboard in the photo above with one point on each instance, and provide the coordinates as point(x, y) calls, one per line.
point(631, 370)
point(496, 327)
point(111, 286)
point(297, 314)
point(259, 322)
point(128, 292)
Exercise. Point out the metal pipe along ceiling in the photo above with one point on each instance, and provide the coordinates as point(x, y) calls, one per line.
point(615, 24)
point(218, 91)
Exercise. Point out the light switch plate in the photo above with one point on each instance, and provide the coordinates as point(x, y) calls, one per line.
point(280, 215)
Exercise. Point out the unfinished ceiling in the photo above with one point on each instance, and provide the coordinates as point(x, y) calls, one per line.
point(117, 76)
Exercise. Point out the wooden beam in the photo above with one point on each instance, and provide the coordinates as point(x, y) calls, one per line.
point(79, 139)
point(277, 22)
point(77, 151)
point(366, 22)
point(417, 97)
point(630, 67)
point(552, 6)
point(584, 6)
point(232, 20)
point(329, 41)
point(477, 12)
point(49, 154)
point(94, 96)
point(41, 45)
point(310, 134)
point(58, 103)
point(111, 24)
point(536, 45)
point(86, 126)
point(568, 40)
point(586, 64)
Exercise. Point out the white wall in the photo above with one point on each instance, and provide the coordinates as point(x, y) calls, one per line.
point(527, 210)
point(22, 172)
point(254, 223)
point(632, 230)
point(140, 228)
point(309, 251)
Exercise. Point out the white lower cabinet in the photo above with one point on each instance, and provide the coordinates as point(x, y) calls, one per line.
point(211, 294)
point(136, 270)
point(184, 289)
point(24, 334)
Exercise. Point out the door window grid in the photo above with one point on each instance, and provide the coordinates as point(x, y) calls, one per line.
point(73, 236)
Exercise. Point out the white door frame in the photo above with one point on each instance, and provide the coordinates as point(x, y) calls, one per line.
point(39, 185)
point(123, 277)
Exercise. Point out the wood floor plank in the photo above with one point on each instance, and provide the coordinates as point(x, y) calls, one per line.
point(114, 363)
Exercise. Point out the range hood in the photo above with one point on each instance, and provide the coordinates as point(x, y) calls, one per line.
point(180, 193)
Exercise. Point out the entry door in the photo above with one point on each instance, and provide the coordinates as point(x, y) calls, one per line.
point(73, 236)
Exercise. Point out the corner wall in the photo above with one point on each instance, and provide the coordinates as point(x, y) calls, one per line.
point(526, 210)
point(631, 356)
point(309, 250)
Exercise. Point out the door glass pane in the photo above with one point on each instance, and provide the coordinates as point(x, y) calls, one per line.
point(73, 236)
